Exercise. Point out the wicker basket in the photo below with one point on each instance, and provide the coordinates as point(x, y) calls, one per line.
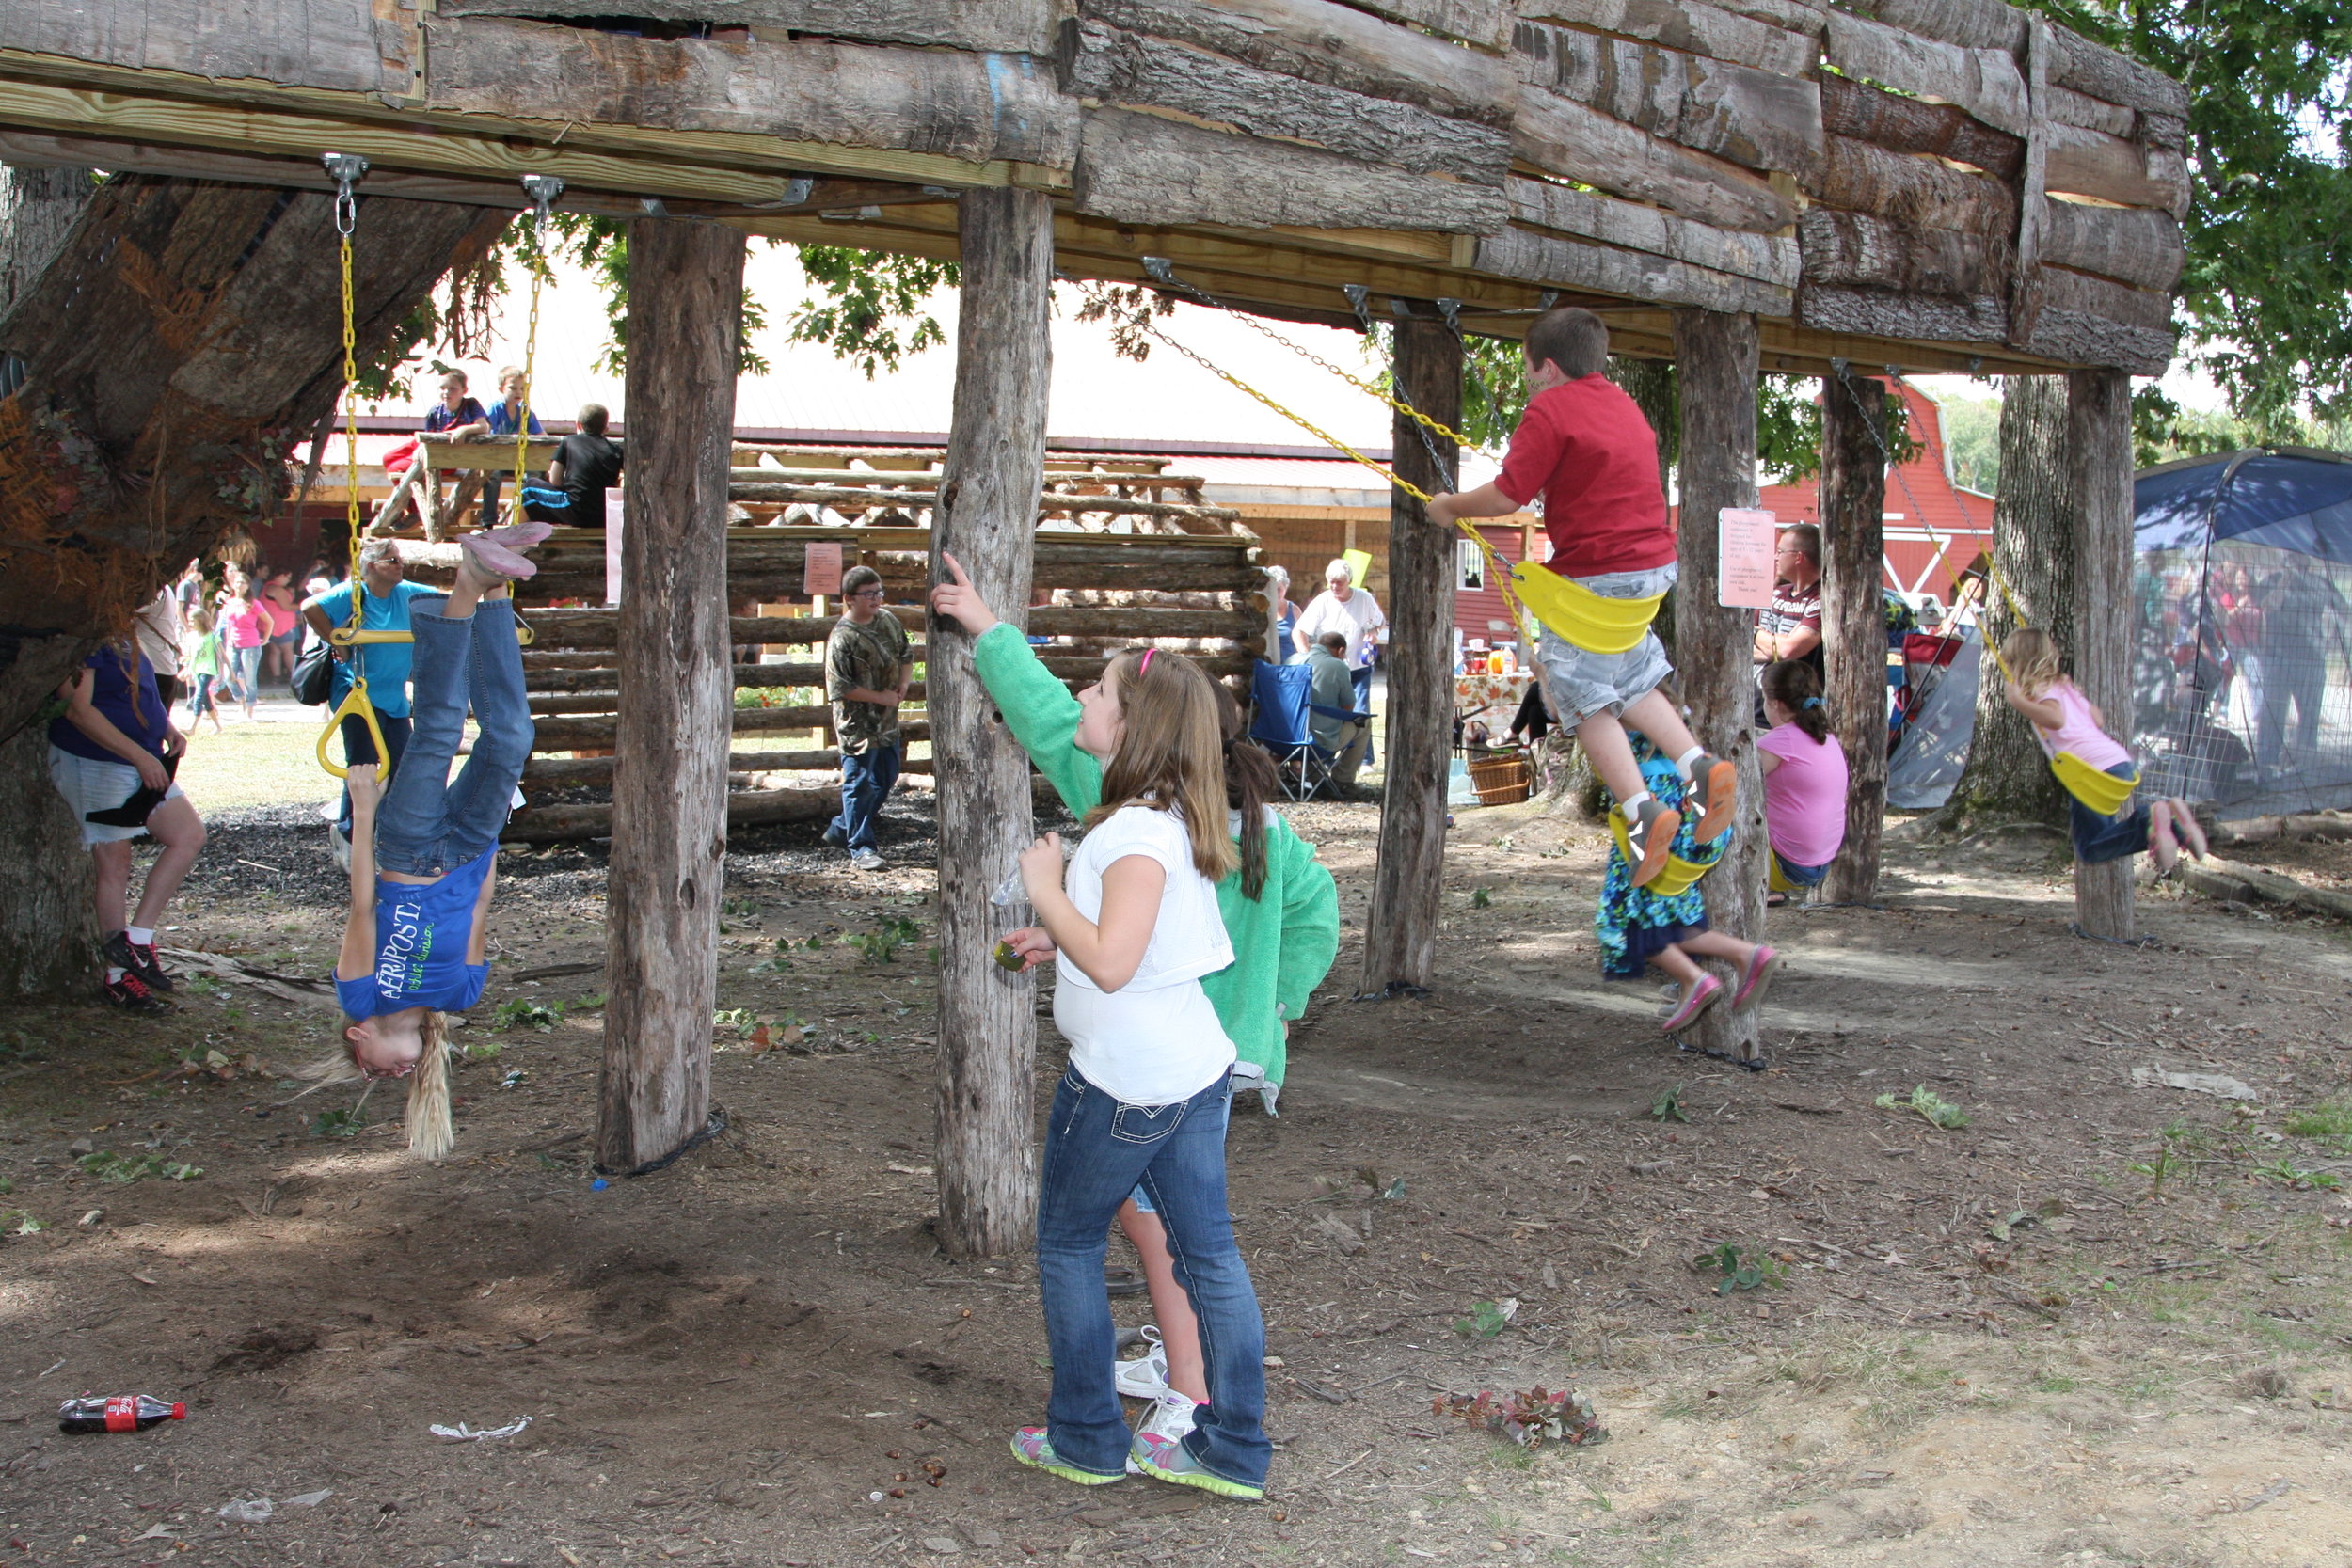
point(1501, 778)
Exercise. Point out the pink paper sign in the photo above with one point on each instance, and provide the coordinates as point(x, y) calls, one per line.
point(820, 569)
point(1744, 558)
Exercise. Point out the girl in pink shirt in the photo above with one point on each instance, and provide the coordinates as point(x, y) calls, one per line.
point(1805, 774)
point(2066, 720)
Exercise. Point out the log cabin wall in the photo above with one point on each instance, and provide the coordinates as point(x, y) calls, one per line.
point(1936, 183)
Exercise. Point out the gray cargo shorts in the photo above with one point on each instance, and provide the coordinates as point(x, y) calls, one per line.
point(1584, 683)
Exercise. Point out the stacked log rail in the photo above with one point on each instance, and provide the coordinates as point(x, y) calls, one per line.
point(1198, 595)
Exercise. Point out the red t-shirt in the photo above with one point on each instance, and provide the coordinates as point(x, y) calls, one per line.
point(1585, 447)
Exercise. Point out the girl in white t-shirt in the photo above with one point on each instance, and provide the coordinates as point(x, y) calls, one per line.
point(1144, 1102)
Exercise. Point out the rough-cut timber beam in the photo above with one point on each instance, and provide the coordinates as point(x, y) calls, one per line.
point(1984, 82)
point(1401, 931)
point(1692, 26)
point(1119, 66)
point(332, 44)
point(1138, 167)
point(1857, 250)
point(1317, 41)
point(2136, 246)
point(186, 337)
point(1899, 124)
point(1631, 225)
point(1853, 620)
point(1629, 273)
point(669, 811)
point(1574, 141)
point(996, 464)
point(943, 101)
point(1860, 177)
point(1970, 24)
point(1716, 356)
point(1754, 118)
point(1025, 26)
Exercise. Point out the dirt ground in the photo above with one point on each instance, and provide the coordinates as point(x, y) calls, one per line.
point(2099, 1323)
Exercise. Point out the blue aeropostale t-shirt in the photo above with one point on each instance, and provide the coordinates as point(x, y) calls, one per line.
point(384, 664)
point(422, 930)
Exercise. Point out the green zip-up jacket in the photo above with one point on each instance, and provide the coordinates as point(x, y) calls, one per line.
point(1283, 939)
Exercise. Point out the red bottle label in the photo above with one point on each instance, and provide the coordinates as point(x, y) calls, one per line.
point(122, 1412)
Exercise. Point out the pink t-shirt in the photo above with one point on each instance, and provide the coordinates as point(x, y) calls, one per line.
point(2078, 732)
point(1805, 797)
point(249, 627)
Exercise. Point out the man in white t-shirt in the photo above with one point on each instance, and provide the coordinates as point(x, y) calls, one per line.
point(1351, 611)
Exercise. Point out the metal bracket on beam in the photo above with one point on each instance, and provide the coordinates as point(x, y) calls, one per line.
point(346, 169)
point(543, 189)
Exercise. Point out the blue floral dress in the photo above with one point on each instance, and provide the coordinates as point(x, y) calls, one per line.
point(1634, 924)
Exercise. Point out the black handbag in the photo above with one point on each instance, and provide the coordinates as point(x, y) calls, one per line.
point(314, 674)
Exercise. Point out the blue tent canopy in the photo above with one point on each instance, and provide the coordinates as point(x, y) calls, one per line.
point(2292, 497)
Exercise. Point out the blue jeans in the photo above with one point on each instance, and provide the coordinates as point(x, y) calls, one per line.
point(1098, 1150)
point(1361, 680)
point(358, 747)
point(244, 673)
point(426, 824)
point(865, 782)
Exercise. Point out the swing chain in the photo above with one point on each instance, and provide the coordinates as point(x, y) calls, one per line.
point(543, 189)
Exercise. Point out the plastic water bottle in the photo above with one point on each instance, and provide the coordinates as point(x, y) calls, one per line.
point(118, 1413)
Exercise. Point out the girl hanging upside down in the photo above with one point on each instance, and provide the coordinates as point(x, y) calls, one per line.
point(423, 848)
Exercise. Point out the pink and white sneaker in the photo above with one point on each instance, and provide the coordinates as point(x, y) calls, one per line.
point(491, 557)
point(1695, 1001)
point(1171, 1416)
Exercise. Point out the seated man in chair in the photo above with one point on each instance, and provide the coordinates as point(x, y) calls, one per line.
point(1331, 694)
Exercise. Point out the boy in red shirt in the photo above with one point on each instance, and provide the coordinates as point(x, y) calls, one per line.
point(1583, 445)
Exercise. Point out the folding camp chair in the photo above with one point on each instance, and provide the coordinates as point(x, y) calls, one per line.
point(1278, 693)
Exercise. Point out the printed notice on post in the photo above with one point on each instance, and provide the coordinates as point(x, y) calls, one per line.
point(820, 569)
point(1744, 559)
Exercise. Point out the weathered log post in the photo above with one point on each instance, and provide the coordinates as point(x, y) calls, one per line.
point(1401, 931)
point(2099, 455)
point(987, 518)
point(1717, 353)
point(1854, 616)
point(677, 690)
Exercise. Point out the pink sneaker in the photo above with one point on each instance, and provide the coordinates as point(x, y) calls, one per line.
point(1757, 979)
point(521, 537)
point(495, 560)
point(1694, 1002)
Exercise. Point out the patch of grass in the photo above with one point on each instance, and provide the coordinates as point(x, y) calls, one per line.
point(522, 1013)
point(337, 1124)
point(2330, 1119)
point(481, 1051)
point(880, 946)
point(2293, 1176)
point(2056, 1383)
point(120, 1169)
point(1937, 1110)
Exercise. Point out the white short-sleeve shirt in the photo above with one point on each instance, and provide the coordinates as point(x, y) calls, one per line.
point(1357, 620)
point(1156, 1039)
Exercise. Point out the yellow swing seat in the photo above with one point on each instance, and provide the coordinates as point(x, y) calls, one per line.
point(355, 705)
point(1587, 620)
point(1774, 880)
point(2101, 792)
point(1678, 874)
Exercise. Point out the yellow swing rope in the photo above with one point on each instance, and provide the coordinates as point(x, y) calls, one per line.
point(346, 169)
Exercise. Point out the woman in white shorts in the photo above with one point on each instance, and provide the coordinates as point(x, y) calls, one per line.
point(112, 755)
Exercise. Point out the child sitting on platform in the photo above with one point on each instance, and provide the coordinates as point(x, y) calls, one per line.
point(413, 944)
point(2065, 721)
point(1585, 448)
point(1805, 778)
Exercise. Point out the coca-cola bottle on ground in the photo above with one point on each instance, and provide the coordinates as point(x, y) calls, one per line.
point(119, 1413)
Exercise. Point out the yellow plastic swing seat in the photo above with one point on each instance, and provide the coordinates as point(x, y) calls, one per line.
point(1586, 620)
point(355, 705)
point(1678, 874)
point(2101, 792)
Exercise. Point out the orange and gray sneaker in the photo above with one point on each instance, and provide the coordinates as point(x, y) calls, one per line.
point(1714, 785)
point(1651, 836)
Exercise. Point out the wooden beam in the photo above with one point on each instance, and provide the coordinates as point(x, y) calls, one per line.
point(1717, 356)
point(1408, 891)
point(994, 467)
point(1984, 82)
point(1118, 66)
point(1862, 177)
point(669, 810)
point(1692, 26)
point(1857, 250)
point(1970, 24)
point(1632, 226)
point(1755, 118)
point(944, 102)
point(1854, 621)
point(1316, 41)
point(1136, 167)
point(1573, 141)
point(2098, 71)
point(1019, 26)
point(742, 809)
point(246, 118)
point(2137, 246)
point(2099, 459)
point(1630, 274)
point(1899, 124)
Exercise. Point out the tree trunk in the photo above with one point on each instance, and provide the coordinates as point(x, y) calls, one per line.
point(48, 925)
point(186, 337)
point(1717, 359)
point(2099, 446)
point(987, 518)
point(1854, 624)
point(1407, 890)
point(676, 691)
point(2006, 778)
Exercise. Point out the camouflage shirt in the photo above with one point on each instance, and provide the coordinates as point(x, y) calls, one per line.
point(868, 656)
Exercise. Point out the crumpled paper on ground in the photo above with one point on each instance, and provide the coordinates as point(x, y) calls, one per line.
point(461, 1432)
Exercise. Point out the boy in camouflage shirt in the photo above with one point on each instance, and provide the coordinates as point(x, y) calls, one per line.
point(867, 672)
